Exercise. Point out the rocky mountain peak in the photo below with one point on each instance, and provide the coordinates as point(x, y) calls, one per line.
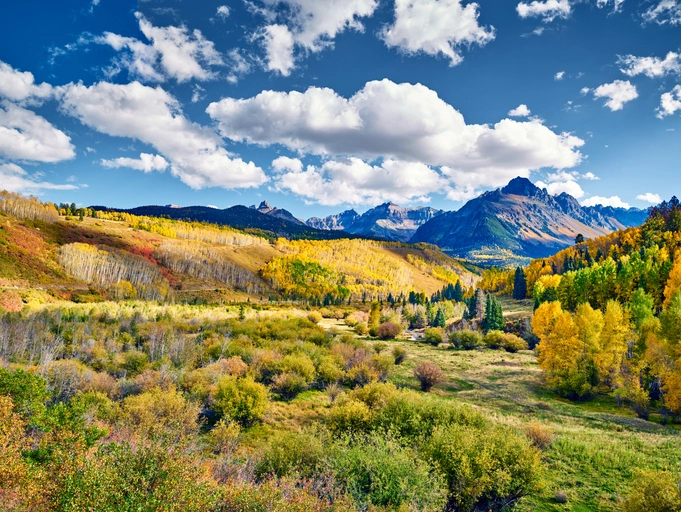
point(521, 187)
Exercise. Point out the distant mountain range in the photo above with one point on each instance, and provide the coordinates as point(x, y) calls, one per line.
point(508, 225)
point(521, 220)
point(388, 221)
point(270, 221)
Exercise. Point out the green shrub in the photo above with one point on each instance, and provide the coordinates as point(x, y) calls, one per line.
point(465, 339)
point(399, 354)
point(242, 400)
point(361, 328)
point(513, 343)
point(315, 317)
point(388, 331)
point(494, 339)
point(428, 375)
point(379, 347)
point(328, 370)
point(377, 471)
point(654, 491)
point(134, 362)
point(376, 395)
point(300, 364)
point(292, 454)
point(350, 416)
point(433, 336)
point(485, 468)
point(288, 385)
point(27, 391)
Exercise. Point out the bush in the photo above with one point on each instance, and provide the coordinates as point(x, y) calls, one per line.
point(541, 436)
point(433, 336)
point(487, 468)
point(428, 374)
point(513, 343)
point(494, 339)
point(161, 412)
point(361, 328)
point(654, 490)
point(388, 331)
point(465, 339)
point(379, 347)
point(378, 472)
point(315, 317)
point(292, 454)
point(242, 400)
point(300, 364)
point(288, 385)
point(350, 416)
point(400, 354)
point(224, 436)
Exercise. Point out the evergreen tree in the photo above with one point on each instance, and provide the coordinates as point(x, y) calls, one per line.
point(519, 285)
point(457, 295)
point(494, 315)
point(439, 320)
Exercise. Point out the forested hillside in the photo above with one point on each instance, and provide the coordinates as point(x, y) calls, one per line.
point(90, 255)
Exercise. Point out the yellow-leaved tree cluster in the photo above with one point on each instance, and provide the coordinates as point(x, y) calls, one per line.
point(345, 268)
point(27, 207)
point(128, 275)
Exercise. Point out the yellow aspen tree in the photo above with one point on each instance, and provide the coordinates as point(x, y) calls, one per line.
point(614, 342)
point(674, 281)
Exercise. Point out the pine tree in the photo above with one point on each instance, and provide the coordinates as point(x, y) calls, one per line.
point(519, 285)
point(439, 320)
point(458, 292)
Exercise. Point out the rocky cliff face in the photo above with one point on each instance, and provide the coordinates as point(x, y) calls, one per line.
point(279, 213)
point(520, 219)
point(388, 221)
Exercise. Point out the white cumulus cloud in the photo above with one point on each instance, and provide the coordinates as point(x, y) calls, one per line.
point(617, 93)
point(20, 86)
point(402, 122)
point(173, 52)
point(652, 67)
point(670, 102)
point(558, 187)
point(311, 25)
point(436, 27)
point(13, 178)
point(665, 12)
point(145, 163)
point(547, 10)
point(559, 76)
point(520, 111)
point(353, 181)
point(649, 197)
point(153, 116)
point(613, 201)
point(24, 135)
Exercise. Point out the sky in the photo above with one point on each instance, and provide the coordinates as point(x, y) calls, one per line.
point(318, 106)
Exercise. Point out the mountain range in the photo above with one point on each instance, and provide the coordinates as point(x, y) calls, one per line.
point(521, 220)
point(388, 221)
point(508, 225)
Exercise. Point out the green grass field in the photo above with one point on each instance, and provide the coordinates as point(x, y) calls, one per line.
point(598, 447)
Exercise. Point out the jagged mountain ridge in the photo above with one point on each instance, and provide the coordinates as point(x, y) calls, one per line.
point(388, 220)
point(279, 213)
point(523, 220)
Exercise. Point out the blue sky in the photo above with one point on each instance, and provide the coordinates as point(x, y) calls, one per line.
point(322, 105)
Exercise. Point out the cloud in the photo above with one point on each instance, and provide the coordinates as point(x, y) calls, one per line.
point(153, 116)
point(238, 65)
point(311, 25)
point(20, 86)
point(520, 111)
point(666, 12)
point(559, 76)
point(197, 93)
point(174, 52)
point(613, 201)
point(15, 179)
point(616, 4)
point(670, 102)
point(396, 122)
point(584, 90)
point(436, 27)
point(278, 42)
point(617, 93)
point(649, 197)
point(547, 10)
point(558, 187)
point(353, 181)
point(590, 176)
point(146, 163)
point(652, 67)
point(223, 12)
point(24, 135)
